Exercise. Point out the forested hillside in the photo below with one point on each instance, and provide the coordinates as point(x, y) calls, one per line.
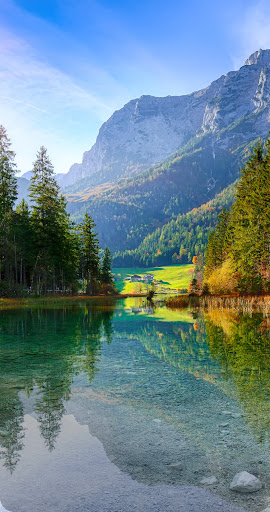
point(181, 238)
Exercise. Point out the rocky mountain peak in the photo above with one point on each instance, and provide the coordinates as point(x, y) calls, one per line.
point(261, 57)
point(148, 129)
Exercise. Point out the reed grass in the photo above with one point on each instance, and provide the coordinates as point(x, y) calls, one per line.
point(236, 304)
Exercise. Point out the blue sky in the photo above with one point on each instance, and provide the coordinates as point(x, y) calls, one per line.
point(66, 65)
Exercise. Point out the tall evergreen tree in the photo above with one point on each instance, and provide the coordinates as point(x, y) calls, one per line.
point(89, 253)
point(53, 238)
point(8, 195)
point(23, 238)
point(8, 182)
point(106, 267)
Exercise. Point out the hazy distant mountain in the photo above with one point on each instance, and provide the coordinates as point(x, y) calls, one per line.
point(22, 184)
point(147, 130)
point(27, 175)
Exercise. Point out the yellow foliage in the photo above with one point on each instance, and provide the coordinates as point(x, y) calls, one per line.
point(223, 318)
point(190, 288)
point(223, 279)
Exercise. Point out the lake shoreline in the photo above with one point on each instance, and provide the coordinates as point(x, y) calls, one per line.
point(49, 299)
point(245, 302)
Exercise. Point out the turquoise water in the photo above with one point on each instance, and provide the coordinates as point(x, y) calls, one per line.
point(118, 406)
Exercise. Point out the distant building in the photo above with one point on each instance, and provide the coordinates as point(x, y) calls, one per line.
point(135, 278)
point(148, 277)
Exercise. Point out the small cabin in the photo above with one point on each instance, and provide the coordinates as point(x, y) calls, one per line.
point(135, 278)
point(148, 277)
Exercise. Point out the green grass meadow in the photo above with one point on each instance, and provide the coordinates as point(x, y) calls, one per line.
point(170, 279)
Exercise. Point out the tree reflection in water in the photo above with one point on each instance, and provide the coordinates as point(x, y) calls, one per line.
point(41, 350)
point(241, 345)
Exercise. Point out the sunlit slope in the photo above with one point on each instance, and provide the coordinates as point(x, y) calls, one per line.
point(174, 277)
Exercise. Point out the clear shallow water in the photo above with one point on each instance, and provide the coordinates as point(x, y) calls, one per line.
point(113, 406)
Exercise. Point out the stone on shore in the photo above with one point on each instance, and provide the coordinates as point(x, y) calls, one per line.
point(245, 482)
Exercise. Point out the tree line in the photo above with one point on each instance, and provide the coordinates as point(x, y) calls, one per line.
point(41, 250)
point(238, 251)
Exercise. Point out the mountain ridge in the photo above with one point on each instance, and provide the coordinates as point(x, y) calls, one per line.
point(212, 132)
point(148, 129)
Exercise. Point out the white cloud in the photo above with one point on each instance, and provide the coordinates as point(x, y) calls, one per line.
point(23, 73)
point(252, 31)
point(56, 91)
point(40, 104)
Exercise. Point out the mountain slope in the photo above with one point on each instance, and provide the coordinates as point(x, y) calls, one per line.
point(126, 213)
point(158, 158)
point(147, 130)
point(181, 238)
point(211, 131)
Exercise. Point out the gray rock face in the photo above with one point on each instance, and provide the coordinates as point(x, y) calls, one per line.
point(148, 129)
point(245, 482)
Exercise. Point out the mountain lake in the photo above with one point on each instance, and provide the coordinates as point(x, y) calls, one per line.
point(120, 405)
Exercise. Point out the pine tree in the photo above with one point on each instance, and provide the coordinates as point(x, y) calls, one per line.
point(55, 244)
point(106, 267)
point(89, 253)
point(250, 221)
point(8, 182)
point(23, 237)
point(8, 195)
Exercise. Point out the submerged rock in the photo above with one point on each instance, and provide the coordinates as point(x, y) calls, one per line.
point(245, 482)
point(209, 480)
